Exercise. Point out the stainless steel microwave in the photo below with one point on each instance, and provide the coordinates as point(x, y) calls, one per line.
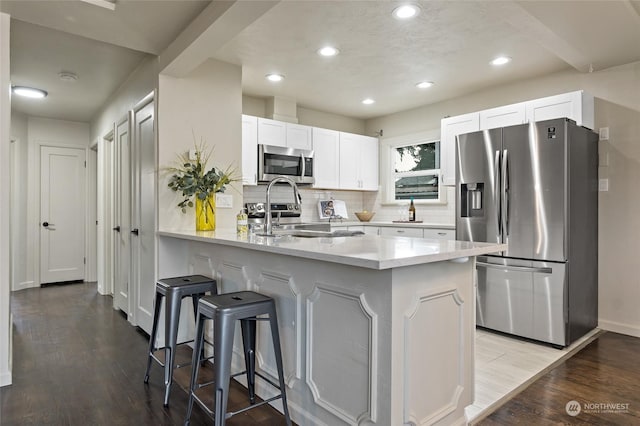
point(274, 161)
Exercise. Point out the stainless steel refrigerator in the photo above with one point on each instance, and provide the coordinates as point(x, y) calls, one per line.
point(535, 187)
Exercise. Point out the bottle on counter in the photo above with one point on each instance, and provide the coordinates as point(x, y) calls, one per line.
point(412, 211)
point(242, 225)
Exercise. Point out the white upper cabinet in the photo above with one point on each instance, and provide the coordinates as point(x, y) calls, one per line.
point(249, 150)
point(358, 162)
point(578, 106)
point(299, 136)
point(272, 132)
point(508, 115)
point(451, 127)
point(326, 158)
point(279, 133)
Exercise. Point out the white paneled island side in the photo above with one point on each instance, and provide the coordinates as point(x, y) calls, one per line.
point(375, 330)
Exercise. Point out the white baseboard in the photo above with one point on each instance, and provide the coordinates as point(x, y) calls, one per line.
point(618, 327)
point(24, 284)
point(5, 379)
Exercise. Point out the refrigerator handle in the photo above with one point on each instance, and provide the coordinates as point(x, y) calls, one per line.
point(505, 194)
point(496, 190)
point(480, 264)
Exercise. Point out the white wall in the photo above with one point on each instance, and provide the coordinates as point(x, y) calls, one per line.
point(5, 266)
point(208, 104)
point(617, 106)
point(50, 132)
point(19, 137)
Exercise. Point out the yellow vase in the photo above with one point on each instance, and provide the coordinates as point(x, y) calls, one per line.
point(206, 213)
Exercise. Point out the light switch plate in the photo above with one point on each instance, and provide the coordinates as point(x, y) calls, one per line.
point(603, 185)
point(604, 133)
point(224, 201)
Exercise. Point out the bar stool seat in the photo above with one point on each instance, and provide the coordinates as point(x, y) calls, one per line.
point(225, 310)
point(174, 290)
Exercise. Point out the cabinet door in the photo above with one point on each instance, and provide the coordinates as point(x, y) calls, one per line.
point(349, 161)
point(369, 163)
point(450, 128)
point(401, 232)
point(249, 150)
point(508, 115)
point(577, 106)
point(326, 158)
point(299, 136)
point(272, 132)
point(439, 234)
point(371, 230)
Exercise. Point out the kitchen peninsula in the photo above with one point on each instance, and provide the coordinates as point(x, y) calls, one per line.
point(374, 329)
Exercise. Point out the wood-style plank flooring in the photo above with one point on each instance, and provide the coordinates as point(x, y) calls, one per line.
point(607, 371)
point(77, 361)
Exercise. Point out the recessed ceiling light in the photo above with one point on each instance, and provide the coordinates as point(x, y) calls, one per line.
point(328, 51)
point(29, 92)
point(67, 76)
point(275, 77)
point(501, 60)
point(368, 101)
point(406, 11)
point(424, 84)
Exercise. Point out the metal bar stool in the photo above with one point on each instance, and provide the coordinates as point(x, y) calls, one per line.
point(174, 290)
point(224, 310)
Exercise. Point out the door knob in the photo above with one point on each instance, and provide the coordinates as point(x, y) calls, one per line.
point(135, 231)
point(46, 224)
point(117, 228)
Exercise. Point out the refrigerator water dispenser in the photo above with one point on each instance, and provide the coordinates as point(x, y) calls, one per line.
point(471, 199)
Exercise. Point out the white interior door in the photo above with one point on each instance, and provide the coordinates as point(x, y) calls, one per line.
point(143, 213)
point(62, 214)
point(122, 217)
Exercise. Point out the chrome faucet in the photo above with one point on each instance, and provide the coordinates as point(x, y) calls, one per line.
point(268, 223)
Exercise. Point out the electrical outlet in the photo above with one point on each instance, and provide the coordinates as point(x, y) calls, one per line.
point(603, 185)
point(192, 155)
point(604, 133)
point(224, 201)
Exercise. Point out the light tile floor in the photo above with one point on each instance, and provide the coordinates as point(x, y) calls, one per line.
point(504, 366)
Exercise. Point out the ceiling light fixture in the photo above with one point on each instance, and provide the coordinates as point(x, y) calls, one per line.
point(68, 76)
point(501, 60)
point(368, 101)
point(328, 51)
point(424, 84)
point(406, 11)
point(275, 77)
point(29, 92)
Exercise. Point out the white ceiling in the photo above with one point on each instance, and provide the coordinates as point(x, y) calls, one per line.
point(450, 43)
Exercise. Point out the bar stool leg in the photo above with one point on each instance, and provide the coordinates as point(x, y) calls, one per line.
point(275, 337)
point(248, 327)
point(198, 344)
point(195, 298)
point(172, 316)
point(152, 337)
point(223, 351)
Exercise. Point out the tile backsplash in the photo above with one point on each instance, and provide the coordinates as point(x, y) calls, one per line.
point(356, 201)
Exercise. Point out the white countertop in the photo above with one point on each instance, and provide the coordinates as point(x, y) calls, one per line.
point(366, 251)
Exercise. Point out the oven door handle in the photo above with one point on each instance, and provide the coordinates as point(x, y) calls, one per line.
point(514, 268)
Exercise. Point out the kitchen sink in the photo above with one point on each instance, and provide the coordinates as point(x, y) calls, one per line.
point(309, 233)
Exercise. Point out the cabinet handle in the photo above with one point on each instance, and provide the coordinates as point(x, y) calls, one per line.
point(442, 234)
point(400, 231)
point(135, 231)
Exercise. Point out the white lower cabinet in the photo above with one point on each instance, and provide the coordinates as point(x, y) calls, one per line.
point(440, 234)
point(401, 231)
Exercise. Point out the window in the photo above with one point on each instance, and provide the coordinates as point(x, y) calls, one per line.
point(410, 167)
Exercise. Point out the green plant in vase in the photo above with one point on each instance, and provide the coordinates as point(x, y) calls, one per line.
point(196, 183)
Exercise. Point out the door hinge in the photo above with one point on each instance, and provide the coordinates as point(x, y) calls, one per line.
point(85, 164)
point(85, 260)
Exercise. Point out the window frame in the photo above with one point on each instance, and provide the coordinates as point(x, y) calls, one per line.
point(389, 146)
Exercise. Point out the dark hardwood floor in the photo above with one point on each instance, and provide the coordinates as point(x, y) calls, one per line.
point(77, 361)
point(607, 371)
